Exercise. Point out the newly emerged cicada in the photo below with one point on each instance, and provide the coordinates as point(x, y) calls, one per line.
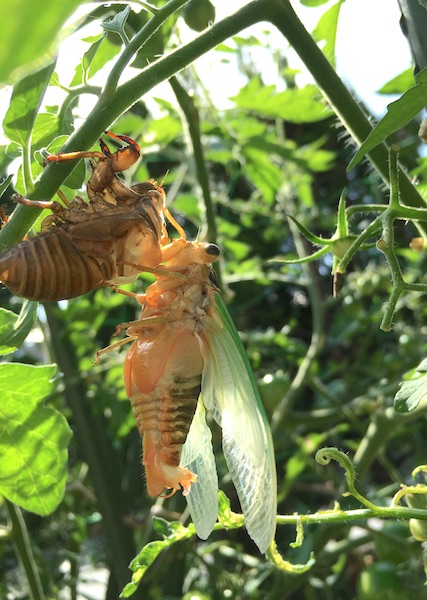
point(83, 245)
point(187, 359)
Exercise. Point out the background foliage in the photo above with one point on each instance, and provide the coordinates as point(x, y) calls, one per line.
point(263, 178)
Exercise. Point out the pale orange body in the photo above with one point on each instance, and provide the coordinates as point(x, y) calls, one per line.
point(163, 368)
point(110, 239)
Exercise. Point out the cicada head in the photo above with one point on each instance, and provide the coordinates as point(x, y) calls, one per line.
point(195, 253)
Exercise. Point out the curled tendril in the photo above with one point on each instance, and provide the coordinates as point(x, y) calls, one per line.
point(300, 533)
point(276, 559)
point(324, 457)
point(419, 469)
point(408, 489)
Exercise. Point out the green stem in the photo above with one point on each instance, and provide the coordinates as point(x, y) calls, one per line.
point(26, 167)
point(317, 337)
point(372, 228)
point(343, 516)
point(135, 44)
point(21, 541)
point(90, 432)
point(192, 118)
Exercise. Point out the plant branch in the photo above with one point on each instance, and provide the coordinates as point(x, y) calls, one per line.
point(21, 541)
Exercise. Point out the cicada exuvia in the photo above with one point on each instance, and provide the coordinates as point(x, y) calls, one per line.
point(83, 245)
point(187, 359)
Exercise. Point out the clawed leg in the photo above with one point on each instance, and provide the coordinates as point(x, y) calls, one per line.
point(73, 156)
point(35, 203)
point(122, 342)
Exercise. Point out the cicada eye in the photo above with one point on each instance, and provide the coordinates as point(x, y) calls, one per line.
point(212, 250)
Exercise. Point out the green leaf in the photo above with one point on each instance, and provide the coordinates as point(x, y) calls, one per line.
point(94, 59)
point(24, 105)
point(399, 84)
point(313, 3)
point(175, 532)
point(326, 30)
point(29, 34)
point(5, 184)
point(263, 173)
point(15, 328)
point(33, 439)
point(398, 114)
point(298, 105)
point(413, 391)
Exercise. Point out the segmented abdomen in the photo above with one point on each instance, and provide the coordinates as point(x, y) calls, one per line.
point(49, 267)
point(163, 373)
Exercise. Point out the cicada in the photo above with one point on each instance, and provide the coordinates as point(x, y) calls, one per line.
point(187, 360)
point(82, 246)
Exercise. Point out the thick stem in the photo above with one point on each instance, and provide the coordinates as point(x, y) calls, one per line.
point(90, 432)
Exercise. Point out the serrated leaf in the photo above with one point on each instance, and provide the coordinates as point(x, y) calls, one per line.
point(413, 391)
point(398, 114)
point(33, 439)
point(24, 105)
point(15, 328)
point(298, 105)
point(263, 173)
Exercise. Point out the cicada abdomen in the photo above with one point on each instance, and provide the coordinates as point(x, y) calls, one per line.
point(163, 369)
point(110, 239)
point(184, 361)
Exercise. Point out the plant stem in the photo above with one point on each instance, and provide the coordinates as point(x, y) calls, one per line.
point(21, 541)
point(91, 438)
point(382, 427)
point(192, 118)
point(317, 337)
point(343, 516)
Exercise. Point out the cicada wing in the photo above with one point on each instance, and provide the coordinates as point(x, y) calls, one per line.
point(197, 456)
point(229, 391)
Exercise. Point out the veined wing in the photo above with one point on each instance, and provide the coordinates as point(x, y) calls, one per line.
point(197, 456)
point(230, 392)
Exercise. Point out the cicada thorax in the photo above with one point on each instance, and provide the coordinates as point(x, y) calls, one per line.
point(110, 239)
point(163, 369)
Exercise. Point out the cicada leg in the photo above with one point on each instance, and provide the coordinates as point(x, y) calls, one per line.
point(122, 342)
point(123, 158)
point(158, 271)
point(3, 216)
point(35, 203)
point(73, 156)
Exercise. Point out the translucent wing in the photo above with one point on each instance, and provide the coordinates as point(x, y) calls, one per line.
point(197, 456)
point(229, 391)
